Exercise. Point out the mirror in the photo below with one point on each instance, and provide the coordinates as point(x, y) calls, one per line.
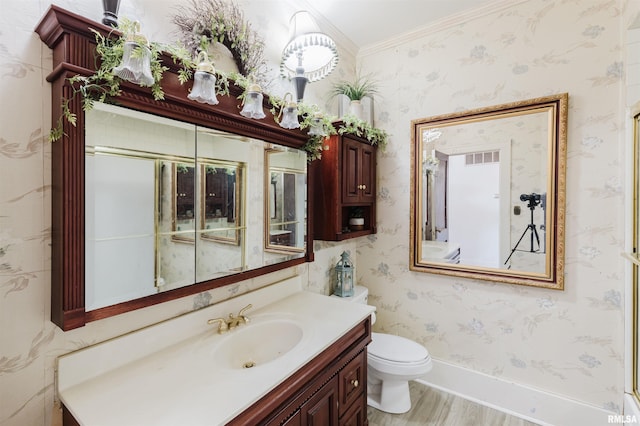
point(488, 193)
point(165, 204)
point(285, 208)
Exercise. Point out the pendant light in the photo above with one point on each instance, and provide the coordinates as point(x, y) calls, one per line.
point(289, 113)
point(204, 82)
point(252, 103)
point(310, 54)
point(136, 59)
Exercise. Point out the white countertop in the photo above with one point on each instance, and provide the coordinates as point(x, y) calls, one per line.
point(163, 375)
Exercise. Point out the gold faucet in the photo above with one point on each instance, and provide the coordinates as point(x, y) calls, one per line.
point(233, 321)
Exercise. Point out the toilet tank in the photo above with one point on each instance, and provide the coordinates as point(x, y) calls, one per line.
point(361, 296)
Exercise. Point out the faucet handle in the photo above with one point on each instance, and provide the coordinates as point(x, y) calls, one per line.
point(242, 311)
point(223, 327)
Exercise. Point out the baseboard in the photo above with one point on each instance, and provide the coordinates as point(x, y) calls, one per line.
point(631, 409)
point(527, 403)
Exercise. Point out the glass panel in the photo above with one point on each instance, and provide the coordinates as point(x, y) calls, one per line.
point(220, 246)
point(488, 214)
point(130, 245)
point(286, 186)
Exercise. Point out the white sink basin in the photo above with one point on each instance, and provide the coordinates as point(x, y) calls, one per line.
point(257, 343)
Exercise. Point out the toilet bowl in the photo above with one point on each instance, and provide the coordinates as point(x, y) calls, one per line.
point(392, 361)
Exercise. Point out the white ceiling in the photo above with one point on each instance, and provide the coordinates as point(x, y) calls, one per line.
point(367, 22)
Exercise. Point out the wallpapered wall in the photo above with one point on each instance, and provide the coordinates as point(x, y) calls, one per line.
point(567, 342)
point(29, 342)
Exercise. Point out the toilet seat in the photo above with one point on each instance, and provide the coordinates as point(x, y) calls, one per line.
point(397, 349)
point(397, 356)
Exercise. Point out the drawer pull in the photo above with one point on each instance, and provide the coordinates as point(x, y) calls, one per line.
point(355, 383)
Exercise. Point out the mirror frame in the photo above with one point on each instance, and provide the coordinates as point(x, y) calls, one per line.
point(556, 165)
point(73, 45)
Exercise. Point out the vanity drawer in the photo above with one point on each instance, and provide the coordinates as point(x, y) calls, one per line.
point(352, 381)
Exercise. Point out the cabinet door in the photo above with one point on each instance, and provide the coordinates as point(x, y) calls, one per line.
point(358, 172)
point(367, 173)
point(351, 173)
point(355, 416)
point(322, 409)
point(352, 381)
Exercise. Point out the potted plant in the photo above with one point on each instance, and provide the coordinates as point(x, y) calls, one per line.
point(355, 91)
point(356, 219)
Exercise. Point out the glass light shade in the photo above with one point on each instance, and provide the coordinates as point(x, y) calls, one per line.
point(317, 127)
point(344, 276)
point(252, 107)
point(309, 49)
point(204, 82)
point(290, 118)
point(204, 88)
point(136, 64)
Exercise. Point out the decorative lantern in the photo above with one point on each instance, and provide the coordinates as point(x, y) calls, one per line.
point(289, 114)
point(252, 103)
point(204, 82)
point(344, 276)
point(317, 126)
point(136, 59)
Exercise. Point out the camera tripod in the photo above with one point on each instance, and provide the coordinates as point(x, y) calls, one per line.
point(531, 227)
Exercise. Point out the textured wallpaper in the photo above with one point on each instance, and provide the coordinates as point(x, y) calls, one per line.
point(29, 342)
point(569, 342)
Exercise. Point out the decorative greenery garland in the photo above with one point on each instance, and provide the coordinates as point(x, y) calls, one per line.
point(104, 85)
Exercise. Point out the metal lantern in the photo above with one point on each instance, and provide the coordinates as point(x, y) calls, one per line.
point(204, 82)
point(344, 276)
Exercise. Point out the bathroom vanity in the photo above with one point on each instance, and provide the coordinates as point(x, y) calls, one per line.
point(301, 359)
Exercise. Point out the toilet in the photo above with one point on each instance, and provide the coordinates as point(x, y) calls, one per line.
point(392, 361)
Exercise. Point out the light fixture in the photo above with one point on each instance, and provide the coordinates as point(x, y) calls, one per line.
point(317, 125)
point(204, 82)
point(110, 12)
point(136, 59)
point(344, 276)
point(289, 113)
point(310, 54)
point(252, 103)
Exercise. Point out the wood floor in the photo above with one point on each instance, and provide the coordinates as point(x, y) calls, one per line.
point(433, 407)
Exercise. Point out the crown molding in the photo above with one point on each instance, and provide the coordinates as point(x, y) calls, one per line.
point(439, 25)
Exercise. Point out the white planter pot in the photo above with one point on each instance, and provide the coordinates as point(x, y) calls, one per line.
point(356, 223)
point(356, 109)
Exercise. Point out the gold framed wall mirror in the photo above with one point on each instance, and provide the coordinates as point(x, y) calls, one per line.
point(488, 193)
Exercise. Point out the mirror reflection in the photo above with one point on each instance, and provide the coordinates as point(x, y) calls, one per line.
point(167, 205)
point(486, 191)
point(285, 208)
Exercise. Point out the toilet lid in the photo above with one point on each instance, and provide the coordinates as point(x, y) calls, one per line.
point(396, 348)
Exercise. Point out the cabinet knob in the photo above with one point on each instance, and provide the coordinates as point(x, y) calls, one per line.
point(355, 383)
